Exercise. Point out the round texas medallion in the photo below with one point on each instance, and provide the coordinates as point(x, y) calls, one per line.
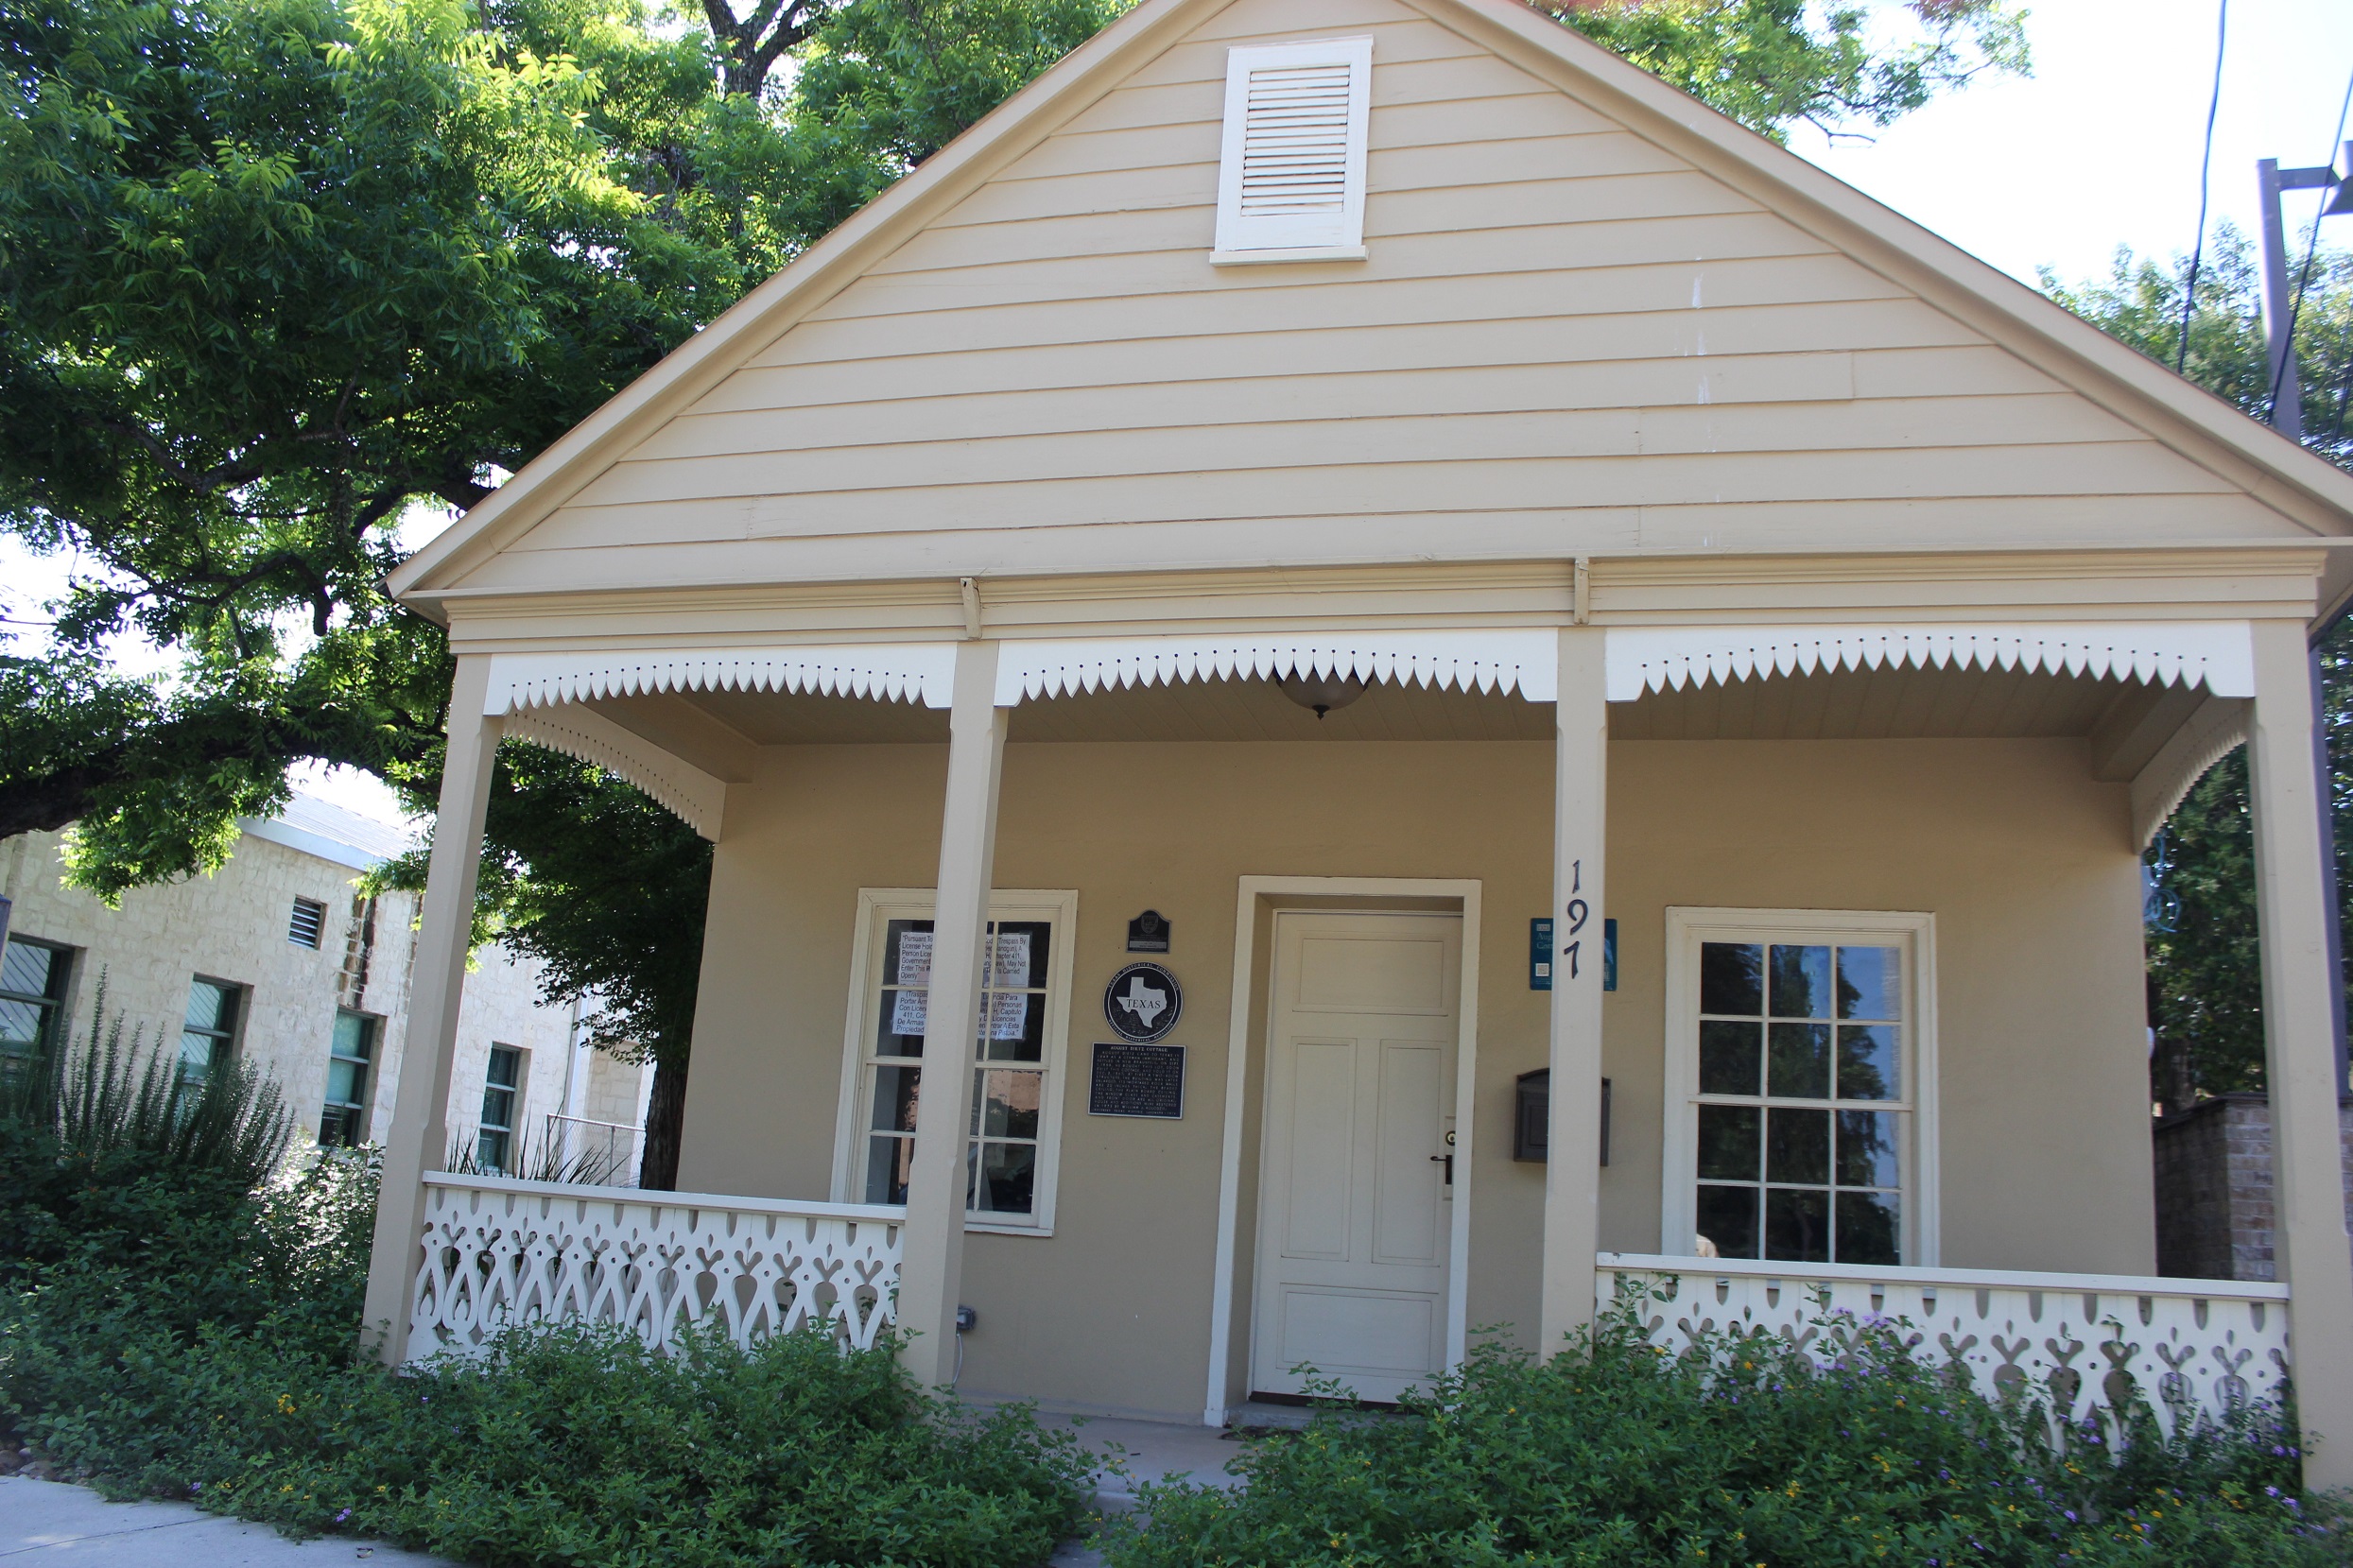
point(1142, 1002)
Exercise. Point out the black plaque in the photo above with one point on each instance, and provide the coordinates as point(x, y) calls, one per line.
point(1149, 933)
point(1133, 1079)
point(1142, 1002)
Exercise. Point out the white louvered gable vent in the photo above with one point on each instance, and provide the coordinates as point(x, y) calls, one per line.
point(1290, 186)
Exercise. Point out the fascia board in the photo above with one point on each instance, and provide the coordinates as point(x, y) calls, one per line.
point(2309, 489)
point(807, 282)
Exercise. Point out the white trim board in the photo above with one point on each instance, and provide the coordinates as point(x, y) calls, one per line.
point(1251, 888)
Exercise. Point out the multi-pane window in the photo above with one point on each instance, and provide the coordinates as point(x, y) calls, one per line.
point(208, 1035)
point(307, 924)
point(1802, 1131)
point(502, 1101)
point(350, 1057)
point(1014, 1056)
point(32, 997)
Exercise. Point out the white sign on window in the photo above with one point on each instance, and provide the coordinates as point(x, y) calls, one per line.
point(1007, 1011)
point(1011, 951)
point(914, 959)
point(908, 1012)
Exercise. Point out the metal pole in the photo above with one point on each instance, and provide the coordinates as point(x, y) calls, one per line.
point(2287, 399)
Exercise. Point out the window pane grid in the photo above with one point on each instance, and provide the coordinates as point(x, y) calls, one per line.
point(344, 1117)
point(1009, 1078)
point(208, 1031)
point(1801, 1115)
point(32, 991)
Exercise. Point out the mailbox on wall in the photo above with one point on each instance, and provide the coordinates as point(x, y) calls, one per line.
point(1532, 1116)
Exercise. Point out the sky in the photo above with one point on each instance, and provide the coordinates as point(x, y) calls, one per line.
point(2098, 148)
point(2101, 146)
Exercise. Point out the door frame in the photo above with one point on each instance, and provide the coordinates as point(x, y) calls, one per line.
point(1238, 1066)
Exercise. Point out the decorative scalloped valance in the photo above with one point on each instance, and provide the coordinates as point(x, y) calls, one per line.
point(2219, 654)
point(887, 672)
point(1525, 662)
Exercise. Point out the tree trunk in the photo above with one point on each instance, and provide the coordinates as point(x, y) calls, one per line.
point(666, 1122)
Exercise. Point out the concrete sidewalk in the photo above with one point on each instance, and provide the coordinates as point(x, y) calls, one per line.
point(43, 1522)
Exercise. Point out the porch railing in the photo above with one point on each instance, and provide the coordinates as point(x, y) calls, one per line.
point(500, 1252)
point(582, 1145)
point(2076, 1341)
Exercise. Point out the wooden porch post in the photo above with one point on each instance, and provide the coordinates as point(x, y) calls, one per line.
point(418, 1139)
point(1572, 1171)
point(932, 1246)
point(2293, 883)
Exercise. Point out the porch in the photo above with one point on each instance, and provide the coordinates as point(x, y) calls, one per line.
point(2074, 739)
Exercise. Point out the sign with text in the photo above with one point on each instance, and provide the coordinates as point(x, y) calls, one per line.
point(1133, 1079)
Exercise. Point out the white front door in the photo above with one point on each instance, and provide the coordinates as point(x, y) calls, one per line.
point(1354, 1209)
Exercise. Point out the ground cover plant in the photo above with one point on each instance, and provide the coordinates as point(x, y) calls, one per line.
point(180, 1318)
point(1744, 1452)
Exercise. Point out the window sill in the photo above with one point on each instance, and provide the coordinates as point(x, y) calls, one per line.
point(1300, 254)
point(975, 1226)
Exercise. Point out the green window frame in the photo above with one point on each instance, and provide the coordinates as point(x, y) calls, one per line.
point(502, 1097)
point(351, 1061)
point(208, 1034)
point(33, 980)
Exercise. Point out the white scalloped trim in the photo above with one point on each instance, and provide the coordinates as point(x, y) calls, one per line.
point(1525, 662)
point(2216, 729)
point(2219, 653)
point(895, 673)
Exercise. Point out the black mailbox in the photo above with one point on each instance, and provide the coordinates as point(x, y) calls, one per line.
point(1532, 1116)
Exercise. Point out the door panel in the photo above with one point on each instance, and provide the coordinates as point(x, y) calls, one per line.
point(1355, 1214)
point(1322, 1140)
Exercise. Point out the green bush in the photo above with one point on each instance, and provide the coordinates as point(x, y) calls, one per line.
point(1743, 1452)
point(178, 1319)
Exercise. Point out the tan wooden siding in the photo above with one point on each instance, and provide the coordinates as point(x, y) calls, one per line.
point(1564, 338)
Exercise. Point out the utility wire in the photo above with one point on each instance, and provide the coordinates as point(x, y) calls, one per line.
point(2206, 168)
point(2312, 249)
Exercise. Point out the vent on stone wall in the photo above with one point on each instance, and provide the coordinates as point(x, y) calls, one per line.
point(309, 920)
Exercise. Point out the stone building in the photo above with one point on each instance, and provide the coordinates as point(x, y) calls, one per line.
point(279, 959)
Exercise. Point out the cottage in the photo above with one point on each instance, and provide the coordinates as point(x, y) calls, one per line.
point(1468, 565)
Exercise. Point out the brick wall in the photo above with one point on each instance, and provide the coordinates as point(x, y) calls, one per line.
point(2214, 1188)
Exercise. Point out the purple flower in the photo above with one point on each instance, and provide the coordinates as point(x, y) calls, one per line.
point(2071, 1513)
point(344, 1515)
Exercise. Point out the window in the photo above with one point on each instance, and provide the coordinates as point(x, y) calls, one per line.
point(502, 1100)
point(1800, 1077)
point(1017, 1057)
point(344, 1118)
point(208, 1038)
point(1291, 181)
point(32, 997)
point(307, 924)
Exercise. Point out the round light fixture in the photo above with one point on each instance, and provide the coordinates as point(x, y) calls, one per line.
point(1323, 693)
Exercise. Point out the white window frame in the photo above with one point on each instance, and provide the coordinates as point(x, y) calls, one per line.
point(876, 908)
point(1687, 928)
point(1243, 240)
point(518, 1109)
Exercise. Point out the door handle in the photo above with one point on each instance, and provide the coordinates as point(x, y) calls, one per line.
point(1447, 1160)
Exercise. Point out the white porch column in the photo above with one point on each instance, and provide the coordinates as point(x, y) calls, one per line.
point(418, 1140)
point(932, 1251)
point(1572, 1171)
point(2294, 883)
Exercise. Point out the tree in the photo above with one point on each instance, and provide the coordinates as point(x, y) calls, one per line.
point(1769, 65)
point(276, 273)
point(2206, 994)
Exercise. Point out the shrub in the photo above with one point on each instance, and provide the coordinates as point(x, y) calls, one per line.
point(179, 1312)
point(1740, 1452)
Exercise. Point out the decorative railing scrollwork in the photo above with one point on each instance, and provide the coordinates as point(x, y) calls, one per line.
point(500, 1252)
point(2078, 1343)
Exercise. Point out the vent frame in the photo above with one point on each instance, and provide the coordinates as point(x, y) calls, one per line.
point(1307, 73)
point(306, 923)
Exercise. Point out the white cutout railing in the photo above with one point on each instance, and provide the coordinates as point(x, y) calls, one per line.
point(2067, 1340)
point(500, 1252)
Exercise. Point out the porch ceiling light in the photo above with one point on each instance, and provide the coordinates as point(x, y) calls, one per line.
point(1322, 693)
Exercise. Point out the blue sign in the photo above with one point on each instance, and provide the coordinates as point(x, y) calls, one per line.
point(1540, 954)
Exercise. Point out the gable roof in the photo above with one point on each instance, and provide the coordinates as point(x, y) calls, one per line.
point(2311, 496)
